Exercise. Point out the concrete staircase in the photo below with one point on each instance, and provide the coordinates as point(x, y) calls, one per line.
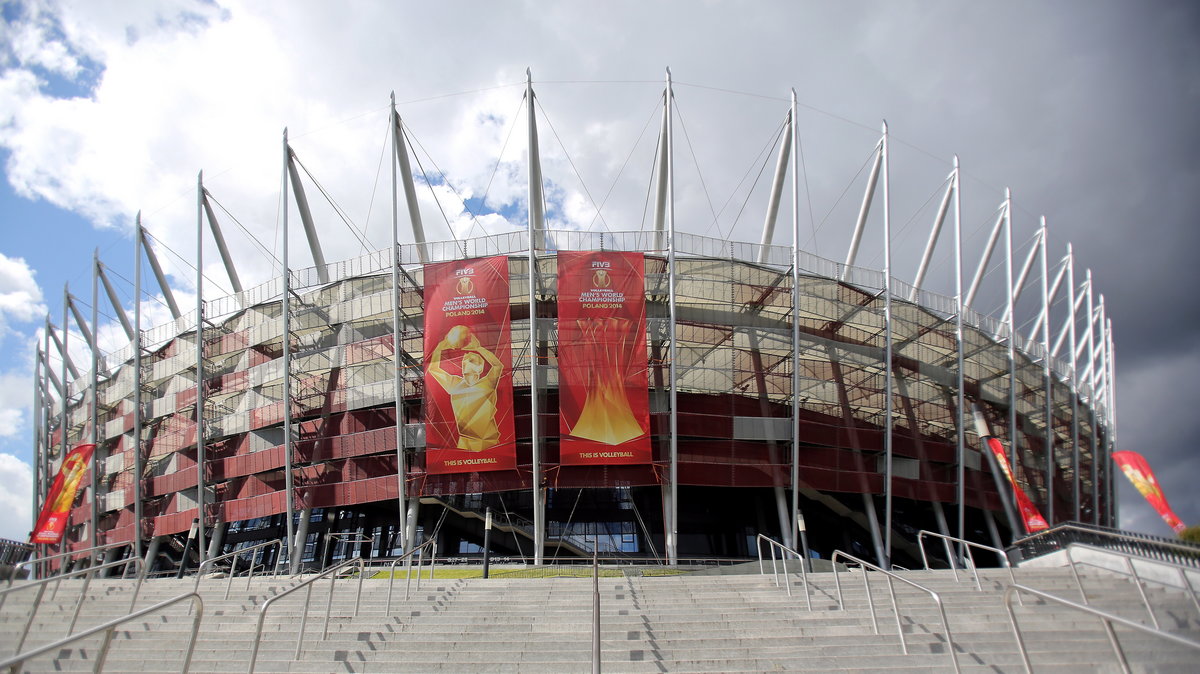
point(649, 624)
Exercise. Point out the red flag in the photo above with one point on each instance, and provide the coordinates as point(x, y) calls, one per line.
point(1138, 471)
point(468, 367)
point(604, 407)
point(52, 521)
point(1033, 519)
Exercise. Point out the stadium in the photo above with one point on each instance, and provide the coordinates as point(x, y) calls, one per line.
point(734, 389)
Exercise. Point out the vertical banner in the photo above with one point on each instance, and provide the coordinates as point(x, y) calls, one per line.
point(52, 521)
point(604, 408)
point(1033, 519)
point(468, 367)
point(1138, 471)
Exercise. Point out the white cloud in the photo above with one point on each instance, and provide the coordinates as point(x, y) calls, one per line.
point(16, 484)
point(20, 296)
point(16, 395)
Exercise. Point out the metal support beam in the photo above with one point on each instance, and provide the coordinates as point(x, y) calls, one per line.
point(864, 210)
point(80, 321)
point(673, 428)
point(44, 359)
point(94, 419)
point(1112, 425)
point(1047, 381)
point(201, 518)
point(960, 375)
point(400, 158)
point(62, 412)
point(1090, 345)
point(70, 365)
point(798, 526)
point(397, 341)
point(38, 448)
point(934, 233)
point(293, 557)
point(1019, 285)
point(234, 281)
point(781, 166)
point(1052, 296)
point(660, 196)
point(887, 364)
point(537, 228)
point(114, 300)
point(1103, 457)
point(139, 243)
point(310, 229)
point(158, 274)
point(1074, 374)
point(1001, 217)
point(1010, 298)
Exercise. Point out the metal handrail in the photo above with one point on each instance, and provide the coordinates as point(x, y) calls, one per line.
point(331, 572)
point(14, 663)
point(937, 599)
point(1178, 550)
point(772, 544)
point(38, 560)
point(970, 556)
point(233, 566)
point(1106, 618)
point(87, 573)
point(420, 552)
point(595, 613)
point(1137, 579)
point(345, 537)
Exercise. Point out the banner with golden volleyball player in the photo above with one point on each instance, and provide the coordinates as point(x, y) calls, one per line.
point(52, 521)
point(468, 367)
point(604, 409)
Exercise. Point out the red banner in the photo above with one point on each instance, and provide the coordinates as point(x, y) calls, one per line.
point(468, 367)
point(1033, 519)
point(1138, 471)
point(604, 409)
point(53, 519)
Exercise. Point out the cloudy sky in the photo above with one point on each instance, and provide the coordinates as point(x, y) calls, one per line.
point(1085, 109)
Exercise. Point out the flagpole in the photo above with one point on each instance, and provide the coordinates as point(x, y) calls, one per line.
point(397, 342)
point(293, 562)
point(202, 548)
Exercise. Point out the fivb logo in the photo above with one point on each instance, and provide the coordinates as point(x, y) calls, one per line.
point(464, 286)
point(600, 277)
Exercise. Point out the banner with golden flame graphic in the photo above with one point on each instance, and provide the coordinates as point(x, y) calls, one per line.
point(1137, 469)
point(468, 367)
point(604, 409)
point(52, 521)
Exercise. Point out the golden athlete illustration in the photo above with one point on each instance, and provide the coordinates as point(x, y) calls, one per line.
point(473, 393)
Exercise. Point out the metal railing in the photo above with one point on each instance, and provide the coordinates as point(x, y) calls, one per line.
point(783, 550)
point(937, 599)
point(946, 540)
point(595, 613)
point(34, 561)
point(1154, 547)
point(1129, 560)
point(1106, 618)
point(233, 564)
point(420, 552)
point(331, 572)
point(87, 580)
point(14, 663)
point(342, 539)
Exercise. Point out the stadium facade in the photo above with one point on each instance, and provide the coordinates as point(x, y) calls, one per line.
point(773, 391)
